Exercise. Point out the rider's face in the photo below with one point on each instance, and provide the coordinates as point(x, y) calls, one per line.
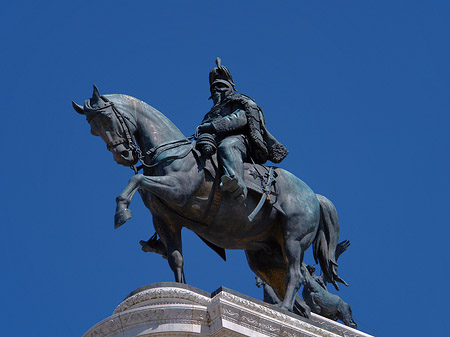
point(220, 90)
point(216, 96)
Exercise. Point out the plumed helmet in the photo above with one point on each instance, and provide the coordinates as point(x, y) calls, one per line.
point(220, 74)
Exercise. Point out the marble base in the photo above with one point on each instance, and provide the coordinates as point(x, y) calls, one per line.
point(174, 309)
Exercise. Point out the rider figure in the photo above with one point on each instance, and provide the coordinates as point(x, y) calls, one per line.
point(238, 126)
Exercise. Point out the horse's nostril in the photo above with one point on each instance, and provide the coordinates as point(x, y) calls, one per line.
point(124, 153)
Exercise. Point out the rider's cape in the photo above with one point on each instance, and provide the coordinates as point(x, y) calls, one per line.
point(263, 146)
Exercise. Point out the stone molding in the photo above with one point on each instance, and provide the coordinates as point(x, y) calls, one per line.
point(173, 309)
point(161, 296)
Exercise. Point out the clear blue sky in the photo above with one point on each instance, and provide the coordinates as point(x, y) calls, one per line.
point(358, 91)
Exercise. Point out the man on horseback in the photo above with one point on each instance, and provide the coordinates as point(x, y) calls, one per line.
point(238, 126)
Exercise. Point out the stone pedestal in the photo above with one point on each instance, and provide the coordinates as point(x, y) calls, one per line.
point(174, 309)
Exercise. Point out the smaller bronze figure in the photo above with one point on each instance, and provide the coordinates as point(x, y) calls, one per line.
point(320, 300)
point(323, 302)
point(271, 297)
point(236, 124)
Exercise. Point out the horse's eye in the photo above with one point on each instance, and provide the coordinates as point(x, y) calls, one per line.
point(107, 123)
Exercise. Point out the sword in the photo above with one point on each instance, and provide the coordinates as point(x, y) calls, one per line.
point(264, 197)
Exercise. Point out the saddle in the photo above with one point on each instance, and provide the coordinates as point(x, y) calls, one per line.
point(258, 178)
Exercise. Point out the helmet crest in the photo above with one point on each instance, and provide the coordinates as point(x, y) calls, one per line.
point(220, 74)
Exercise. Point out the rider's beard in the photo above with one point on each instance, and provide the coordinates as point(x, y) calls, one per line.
point(217, 97)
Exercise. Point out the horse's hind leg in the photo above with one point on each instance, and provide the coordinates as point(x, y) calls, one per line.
point(293, 253)
point(299, 231)
point(270, 267)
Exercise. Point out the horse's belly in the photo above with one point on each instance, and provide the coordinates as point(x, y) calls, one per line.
point(220, 219)
point(231, 229)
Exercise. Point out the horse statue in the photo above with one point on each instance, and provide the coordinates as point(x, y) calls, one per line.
point(179, 187)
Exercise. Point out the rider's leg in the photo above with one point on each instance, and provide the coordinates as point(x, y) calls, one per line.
point(231, 152)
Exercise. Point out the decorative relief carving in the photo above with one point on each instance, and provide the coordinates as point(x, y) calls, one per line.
point(268, 327)
point(171, 315)
point(250, 305)
point(333, 325)
point(273, 314)
point(287, 334)
point(250, 320)
point(105, 328)
point(227, 333)
point(229, 312)
point(161, 293)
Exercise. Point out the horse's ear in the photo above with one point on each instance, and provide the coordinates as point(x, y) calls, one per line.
point(95, 94)
point(78, 108)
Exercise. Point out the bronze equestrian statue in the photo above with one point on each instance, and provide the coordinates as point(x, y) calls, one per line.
point(180, 186)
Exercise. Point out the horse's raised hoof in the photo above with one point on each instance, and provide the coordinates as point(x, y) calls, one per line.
point(121, 217)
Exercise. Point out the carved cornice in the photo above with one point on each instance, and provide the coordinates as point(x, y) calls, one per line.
point(250, 319)
point(161, 296)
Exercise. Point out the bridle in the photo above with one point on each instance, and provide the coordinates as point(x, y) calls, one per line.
point(151, 154)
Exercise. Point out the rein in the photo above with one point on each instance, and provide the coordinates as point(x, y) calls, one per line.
point(155, 151)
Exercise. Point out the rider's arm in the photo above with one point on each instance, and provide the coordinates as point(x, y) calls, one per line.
point(232, 122)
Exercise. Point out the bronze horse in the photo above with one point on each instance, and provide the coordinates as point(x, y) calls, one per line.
point(176, 188)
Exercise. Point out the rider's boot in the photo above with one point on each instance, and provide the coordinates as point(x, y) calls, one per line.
point(237, 188)
point(231, 152)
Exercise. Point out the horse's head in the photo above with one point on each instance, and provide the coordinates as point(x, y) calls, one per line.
point(111, 125)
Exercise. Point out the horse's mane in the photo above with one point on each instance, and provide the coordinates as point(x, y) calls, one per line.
point(139, 107)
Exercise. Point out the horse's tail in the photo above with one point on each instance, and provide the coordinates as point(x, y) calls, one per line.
point(324, 246)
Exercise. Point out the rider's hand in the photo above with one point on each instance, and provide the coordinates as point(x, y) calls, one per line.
point(206, 128)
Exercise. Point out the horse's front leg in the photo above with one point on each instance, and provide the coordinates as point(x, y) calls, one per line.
point(170, 234)
point(165, 187)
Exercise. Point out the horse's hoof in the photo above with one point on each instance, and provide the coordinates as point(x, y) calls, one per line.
point(144, 246)
point(121, 217)
point(282, 308)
